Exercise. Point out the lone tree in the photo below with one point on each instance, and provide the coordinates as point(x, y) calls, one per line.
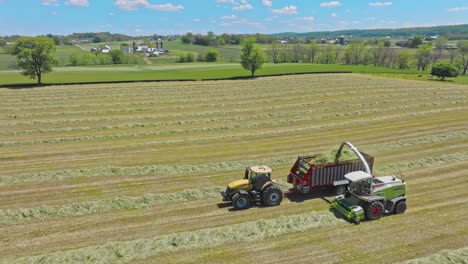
point(35, 55)
point(443, 71)
point(252, 56)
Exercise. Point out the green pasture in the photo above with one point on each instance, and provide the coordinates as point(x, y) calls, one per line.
point(202, 71)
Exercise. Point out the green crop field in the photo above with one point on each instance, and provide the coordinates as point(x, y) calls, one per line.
point(131, 172)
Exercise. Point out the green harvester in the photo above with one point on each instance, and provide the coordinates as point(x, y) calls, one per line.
point(370, 198)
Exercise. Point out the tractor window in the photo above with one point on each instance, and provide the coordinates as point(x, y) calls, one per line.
point(259, 180)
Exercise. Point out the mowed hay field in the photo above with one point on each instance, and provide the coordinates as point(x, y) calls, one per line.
point(132, 172)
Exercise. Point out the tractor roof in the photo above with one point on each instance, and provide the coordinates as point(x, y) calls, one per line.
point(260, 169)
point(358, 176)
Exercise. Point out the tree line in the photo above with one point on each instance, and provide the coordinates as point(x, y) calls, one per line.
point(377, 54)
point(210, 39)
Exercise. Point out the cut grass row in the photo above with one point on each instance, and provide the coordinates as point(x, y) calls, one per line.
point(371, 114)
point(19, 216)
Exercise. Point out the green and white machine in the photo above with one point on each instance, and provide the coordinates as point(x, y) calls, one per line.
point(369, 198)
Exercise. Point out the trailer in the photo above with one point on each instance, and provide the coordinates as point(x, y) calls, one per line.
point(306, 175)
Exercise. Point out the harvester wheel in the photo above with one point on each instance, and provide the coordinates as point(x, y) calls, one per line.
point(374, 210)
point(400, 207)
point(241, 201)
point(272, 195)
point(340, 190)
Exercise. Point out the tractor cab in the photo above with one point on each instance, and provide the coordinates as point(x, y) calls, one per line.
point(360, 183)
point(258, 176)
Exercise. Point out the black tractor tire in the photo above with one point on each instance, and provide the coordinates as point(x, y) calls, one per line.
point(272, 195)
point(340, 190)
point(374, 210)
point(400, 207)
point(241, 201)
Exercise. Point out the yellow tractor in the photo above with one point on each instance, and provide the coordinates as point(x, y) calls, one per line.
point(256, 187)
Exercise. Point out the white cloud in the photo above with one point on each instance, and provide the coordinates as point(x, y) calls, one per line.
point(287, 10)
point(49, 2)
point(380, 4)
point(307, 18)
point(243, 7)
point(458, 9)
point(196, 20)
point(229, 17)
point(166, 7)
point(330, 4)
point(267, 3)
point(226, 1)
point(83, 3)
point(333, 15)
point(132, 5)
point(226, 24)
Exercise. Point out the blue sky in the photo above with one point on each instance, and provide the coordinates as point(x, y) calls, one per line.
point(147, 17)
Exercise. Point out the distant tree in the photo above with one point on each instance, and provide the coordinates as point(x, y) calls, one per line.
point(298, 53)
point(423, 56)
point(328, 55)
point(3, 45)
point(252, 56)
point(117, 56)
point(463, 50)
point(415, 42)
point(201, 40)
point(189, 57)
point(97, 39)
point(355, 53)
point(439, 45)
point(285, 53)
point(443, 71)
point(201, 57)
point(453, 55)
point(56, 40)
point(220, 40)
point(147, 42)
point(387, 43)
point(211, 56)
point(187, 38)
point(35, 55)
point(312, 51)
point(274, 52)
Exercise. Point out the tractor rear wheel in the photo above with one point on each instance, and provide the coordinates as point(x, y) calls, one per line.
point(374, 210)
point(272, 195)
point(241, 201)
point(400, 207)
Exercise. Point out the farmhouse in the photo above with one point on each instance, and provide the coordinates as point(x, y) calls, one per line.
point(105, 49)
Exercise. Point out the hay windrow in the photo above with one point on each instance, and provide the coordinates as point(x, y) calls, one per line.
point(443, 257)
point(124, 251)
point(18, 216)
point(213, 167)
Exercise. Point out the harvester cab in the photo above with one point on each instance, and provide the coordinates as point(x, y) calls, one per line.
point(257, 187)
point(369, 198)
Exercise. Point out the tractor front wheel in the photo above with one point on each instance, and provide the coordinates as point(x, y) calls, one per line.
point(400, 207)
point(241, 201)
point(374, 210)
point(272, 195)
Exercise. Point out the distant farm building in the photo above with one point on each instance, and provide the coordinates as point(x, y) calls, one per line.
point(402, 43)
